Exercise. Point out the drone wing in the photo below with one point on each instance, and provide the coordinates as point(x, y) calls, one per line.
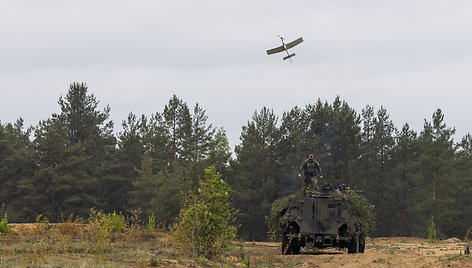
point(275, 50)
point(294, 43)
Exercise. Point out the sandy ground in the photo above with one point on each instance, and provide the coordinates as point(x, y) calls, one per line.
point(379, 252)
point(385, 252)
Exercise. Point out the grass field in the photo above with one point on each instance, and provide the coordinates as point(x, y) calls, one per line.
point(71, 244)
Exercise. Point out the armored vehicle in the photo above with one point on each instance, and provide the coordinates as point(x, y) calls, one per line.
point(320, 219)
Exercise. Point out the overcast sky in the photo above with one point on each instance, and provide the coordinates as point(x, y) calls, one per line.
point(410, 57)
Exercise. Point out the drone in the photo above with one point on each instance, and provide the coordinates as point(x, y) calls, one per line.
point(285, 47)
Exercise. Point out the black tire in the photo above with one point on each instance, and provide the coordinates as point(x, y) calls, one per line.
point(353, 246)
point(286, 248)
point(361, 246)
point(290, 246)
point(295, 247)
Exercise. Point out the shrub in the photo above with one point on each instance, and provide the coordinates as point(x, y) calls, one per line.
point(101, 225)
point(205, 217)
point(70, 226)
point(99, 230)
point(151, 224)
point(115, 222)
point(4, 227)
point(432, 233)
point(42, 226)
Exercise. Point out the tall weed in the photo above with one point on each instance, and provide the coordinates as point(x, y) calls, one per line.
point(432, 238)
point(4, 227)
point(41, 227)
point(151, 224)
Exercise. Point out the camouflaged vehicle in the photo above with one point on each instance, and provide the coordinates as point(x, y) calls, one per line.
point(320, 219)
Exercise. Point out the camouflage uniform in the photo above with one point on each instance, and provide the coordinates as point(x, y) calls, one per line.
point(310, 169)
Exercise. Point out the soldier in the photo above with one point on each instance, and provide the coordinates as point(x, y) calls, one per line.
point(310, 169)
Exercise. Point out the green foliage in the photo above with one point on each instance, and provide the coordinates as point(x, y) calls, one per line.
point(74, 162)
point(255, 180)
point(178, 125)
point(220, 152)
point(101, 225)
point(17, 165)
point(204, 220)
point(116, 222)
point(4, 227)
point(432, 233)
point(279, 206)
point(363, 210)
point(151, 224)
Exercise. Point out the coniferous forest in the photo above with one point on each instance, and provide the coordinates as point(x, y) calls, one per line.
point(75, 161)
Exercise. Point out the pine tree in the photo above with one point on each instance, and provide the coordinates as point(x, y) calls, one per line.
point(406, 184)
point(256, 172)
point(82, 137)
point(178, 123)
point(383, 142)
point(131, 145)
point(368, 153)
point(202, 135)
point(342, 141)
point(199, 146)
point(317, 132)
point(160, 192)
point(296, 142)
point(463, 186)
point(129, 157)
point(220, 153)
point(438, 165)
point(17, 166)
point(63, 183)
point(157, 143)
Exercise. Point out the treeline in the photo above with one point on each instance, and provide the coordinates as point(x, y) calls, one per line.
point(74, 161)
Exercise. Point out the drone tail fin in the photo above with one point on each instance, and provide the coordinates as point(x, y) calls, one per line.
point(289, 56)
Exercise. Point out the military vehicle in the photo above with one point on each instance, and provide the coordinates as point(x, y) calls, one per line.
point(320, 219)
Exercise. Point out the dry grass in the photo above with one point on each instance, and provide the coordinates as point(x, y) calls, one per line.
point(68, 245)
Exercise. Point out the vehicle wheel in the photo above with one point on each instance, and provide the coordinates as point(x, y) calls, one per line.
point(290, 246)
point(286, 248)
point(353, 246)
point(361, 246)
point(295, 247)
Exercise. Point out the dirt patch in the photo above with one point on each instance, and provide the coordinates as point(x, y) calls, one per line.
point(379, 252)
point(68, 244)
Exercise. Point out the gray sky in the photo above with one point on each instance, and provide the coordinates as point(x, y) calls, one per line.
point(411, 57)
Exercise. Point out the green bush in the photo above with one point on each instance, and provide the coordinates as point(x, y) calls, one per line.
point(151, 224)
point(116, 222)
point(363, 210)
point(4, 227)
point(205, 217)
point(432, 233)
point(101, 225)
